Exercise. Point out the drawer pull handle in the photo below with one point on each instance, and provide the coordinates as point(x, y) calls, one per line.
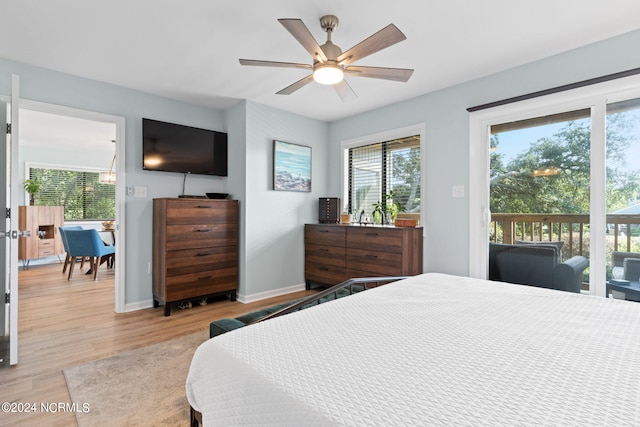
point(204, 207)
point(203, 254)
point(324, 250)
point(202, 230)
point(204, 278)
point(323, 231)
point(324, 269)
point(371, 256)
point(372, 234)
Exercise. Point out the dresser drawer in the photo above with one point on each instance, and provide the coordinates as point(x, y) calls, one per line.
point(45, 243)
point(379, 262)
point(200, 283)
point(46, 247)
point(324, 273)
point(181, 262)
point(201, 235)
point(375, 238)
point(325, 235)
point(322, 254)
point(194, 211)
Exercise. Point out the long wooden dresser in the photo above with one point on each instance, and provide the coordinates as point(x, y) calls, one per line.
point(195, 250)
point(337, 252)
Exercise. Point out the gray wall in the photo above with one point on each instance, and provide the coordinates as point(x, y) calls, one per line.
point(236, 120)
point(446, 121)
point(274, 233)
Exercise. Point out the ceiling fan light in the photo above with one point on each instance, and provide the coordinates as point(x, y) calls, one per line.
point(328, 74)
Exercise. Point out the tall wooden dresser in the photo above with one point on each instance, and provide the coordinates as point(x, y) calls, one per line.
point(337, 252)
point(195, 250)
point(43, 222)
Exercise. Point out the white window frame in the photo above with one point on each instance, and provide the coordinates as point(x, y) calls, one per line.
point(596, 97)
point(404, 132)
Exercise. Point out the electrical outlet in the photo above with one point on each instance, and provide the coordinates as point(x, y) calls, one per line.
point(129, 190)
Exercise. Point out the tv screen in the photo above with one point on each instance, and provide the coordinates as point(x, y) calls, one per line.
point(171, 147)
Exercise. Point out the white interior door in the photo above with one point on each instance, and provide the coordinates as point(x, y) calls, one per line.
point(14, 189)
point(4, 242)
point(9, 188)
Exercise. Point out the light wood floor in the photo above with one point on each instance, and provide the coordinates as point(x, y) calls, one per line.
point(66, 323)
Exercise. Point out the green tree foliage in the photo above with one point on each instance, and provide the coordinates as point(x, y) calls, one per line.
point(81, 194)
point(406, 179)
point(515, 188)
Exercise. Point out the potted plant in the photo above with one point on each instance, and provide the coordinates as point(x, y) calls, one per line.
point(32, 186)
point(388, 213)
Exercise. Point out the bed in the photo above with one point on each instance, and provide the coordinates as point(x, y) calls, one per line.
point(433, 349)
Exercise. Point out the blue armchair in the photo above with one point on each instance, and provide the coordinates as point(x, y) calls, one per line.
point(87, 243)
point(63, 236)
point(535, 265)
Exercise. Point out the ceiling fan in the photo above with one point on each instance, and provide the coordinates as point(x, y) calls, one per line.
point(330, 64)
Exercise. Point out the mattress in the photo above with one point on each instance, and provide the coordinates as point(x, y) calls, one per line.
point(432, 350)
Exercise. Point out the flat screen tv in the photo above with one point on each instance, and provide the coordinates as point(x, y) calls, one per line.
point(171, 147)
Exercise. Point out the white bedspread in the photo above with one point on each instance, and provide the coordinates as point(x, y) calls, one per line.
point(431, 350)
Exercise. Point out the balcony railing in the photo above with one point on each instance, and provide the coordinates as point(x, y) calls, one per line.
point(623, 230)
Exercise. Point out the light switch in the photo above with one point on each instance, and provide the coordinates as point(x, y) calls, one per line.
point(457, 191)
point(140, 191)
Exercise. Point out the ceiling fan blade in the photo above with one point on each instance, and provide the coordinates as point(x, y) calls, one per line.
point(396, 74)
point(297, 85)
point(384, 38)
point(301, 33)
point(274, 64)
point(345, 92)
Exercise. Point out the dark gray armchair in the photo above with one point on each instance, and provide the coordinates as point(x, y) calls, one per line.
point(535, 265)
point(626, 265)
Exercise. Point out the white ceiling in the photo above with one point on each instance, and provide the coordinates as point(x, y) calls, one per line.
point(189, 50)
point(79, 136)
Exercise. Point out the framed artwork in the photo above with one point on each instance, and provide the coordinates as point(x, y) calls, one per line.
point(291, 167)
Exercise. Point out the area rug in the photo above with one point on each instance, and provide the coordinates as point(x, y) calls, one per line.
point(141, 387)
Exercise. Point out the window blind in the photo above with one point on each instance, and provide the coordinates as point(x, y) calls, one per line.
point(383, 168)
point(80, 192)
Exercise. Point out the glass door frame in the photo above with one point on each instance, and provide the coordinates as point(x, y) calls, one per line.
point(595, 97)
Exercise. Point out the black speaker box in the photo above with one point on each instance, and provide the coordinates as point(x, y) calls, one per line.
point(328, 210)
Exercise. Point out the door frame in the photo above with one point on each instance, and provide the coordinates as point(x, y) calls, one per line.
point(120, 232)
point(596, 97)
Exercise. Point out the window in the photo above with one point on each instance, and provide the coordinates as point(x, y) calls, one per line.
point(80, 192)
point(384, 174)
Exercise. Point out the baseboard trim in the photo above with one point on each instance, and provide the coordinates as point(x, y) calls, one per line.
point(140, 305)
point(245, 299)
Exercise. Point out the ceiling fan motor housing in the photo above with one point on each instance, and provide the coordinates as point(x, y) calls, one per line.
point(331, 51)
point(329, 22)
point(329, 72)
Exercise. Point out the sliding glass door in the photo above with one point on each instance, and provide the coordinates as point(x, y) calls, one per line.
point(623, 190)
point(563, 167)
point(539, 183)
